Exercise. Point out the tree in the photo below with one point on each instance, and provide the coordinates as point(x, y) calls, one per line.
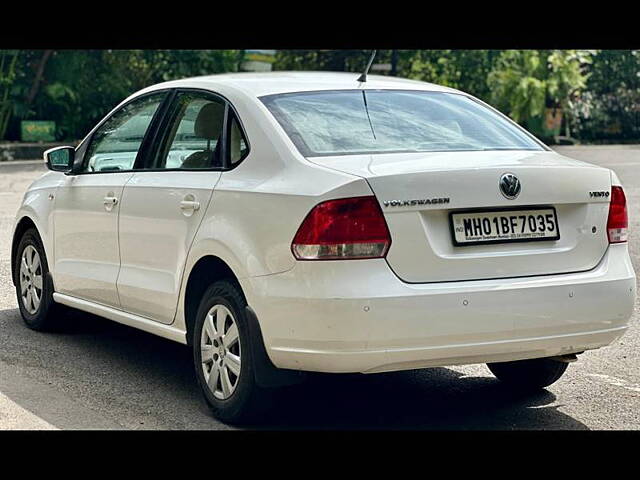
point(525, 82)
point(465, 70)
point(609, 108)
point(599, 92)
point(327, 60)
point(77, 87)
point(8, 60)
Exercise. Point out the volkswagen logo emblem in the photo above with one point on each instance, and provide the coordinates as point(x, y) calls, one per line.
point(509, 186)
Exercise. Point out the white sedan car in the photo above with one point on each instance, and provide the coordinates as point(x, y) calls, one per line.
point(287, 222)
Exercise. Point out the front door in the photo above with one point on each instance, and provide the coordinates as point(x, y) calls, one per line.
point(87, 204)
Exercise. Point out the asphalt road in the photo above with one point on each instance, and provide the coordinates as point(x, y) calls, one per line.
point(97, 374)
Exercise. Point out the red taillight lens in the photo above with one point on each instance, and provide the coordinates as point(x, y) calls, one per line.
point(618, 221)
point(347, 228)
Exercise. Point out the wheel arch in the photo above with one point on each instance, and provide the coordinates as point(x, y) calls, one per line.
point(205, 271)
point(24, 224)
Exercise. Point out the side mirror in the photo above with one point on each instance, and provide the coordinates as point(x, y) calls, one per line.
point(60, 159)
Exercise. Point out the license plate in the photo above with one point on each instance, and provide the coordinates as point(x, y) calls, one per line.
point(504, 226)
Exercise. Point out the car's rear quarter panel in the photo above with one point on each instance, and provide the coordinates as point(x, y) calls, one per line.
point(258, 206)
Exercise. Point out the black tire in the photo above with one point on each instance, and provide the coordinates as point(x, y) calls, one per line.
point(248, 400)
point(534, 374)
point(46, 317)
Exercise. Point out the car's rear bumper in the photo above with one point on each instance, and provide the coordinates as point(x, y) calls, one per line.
point(357, 316)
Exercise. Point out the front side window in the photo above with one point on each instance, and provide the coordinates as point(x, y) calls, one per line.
point(192, 142)
point(350, 122)
point(115, 144)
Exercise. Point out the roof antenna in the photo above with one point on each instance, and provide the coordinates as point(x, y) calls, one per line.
point(363, 77)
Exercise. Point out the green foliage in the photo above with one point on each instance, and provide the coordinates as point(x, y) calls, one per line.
point(598, 91)
point(568, 74)
point(525, 82)
point(614, 69)
point(517, 84)
point(8, 60)
point(81, 86)
point(609, 109)
point(80, 99)
point(465, 70)
point(326, 60)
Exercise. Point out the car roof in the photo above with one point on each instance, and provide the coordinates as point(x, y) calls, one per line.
point(269, 83)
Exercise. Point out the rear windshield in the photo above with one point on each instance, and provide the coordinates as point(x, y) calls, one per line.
point(349, 122)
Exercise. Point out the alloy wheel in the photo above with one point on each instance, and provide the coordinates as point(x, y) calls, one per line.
point(220, 351)
point(31, 279)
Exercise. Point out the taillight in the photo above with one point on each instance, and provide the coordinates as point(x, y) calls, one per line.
point(348, 228)
point(618, 221)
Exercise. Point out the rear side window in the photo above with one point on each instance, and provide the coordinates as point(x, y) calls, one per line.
point(351, 122)
point(238, 146)
point(115, 144)
point(193, 139)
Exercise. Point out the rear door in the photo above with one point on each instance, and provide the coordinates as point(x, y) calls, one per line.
point(87, 204)
point(164, 203)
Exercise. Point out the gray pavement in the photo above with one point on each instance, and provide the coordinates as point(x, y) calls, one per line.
point(97, 374)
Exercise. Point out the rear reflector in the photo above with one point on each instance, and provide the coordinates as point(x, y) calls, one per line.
point(618, 221)
point(348, 228)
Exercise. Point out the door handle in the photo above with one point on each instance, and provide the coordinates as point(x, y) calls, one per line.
point(109, 202)
point(190, 205)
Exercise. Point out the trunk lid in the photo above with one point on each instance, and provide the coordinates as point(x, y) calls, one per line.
point(422, 248)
